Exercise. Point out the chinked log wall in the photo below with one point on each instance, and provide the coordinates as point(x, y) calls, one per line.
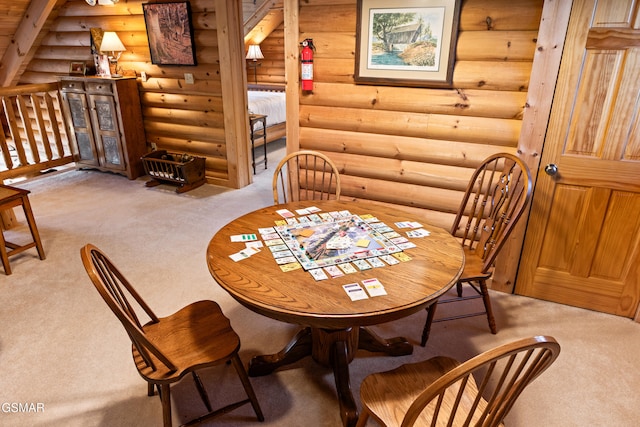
point(417, 147)
point(177, 117)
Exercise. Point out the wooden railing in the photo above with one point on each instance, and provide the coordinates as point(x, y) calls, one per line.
point(34, 136)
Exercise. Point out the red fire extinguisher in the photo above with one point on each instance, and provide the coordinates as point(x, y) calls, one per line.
point(307, 64)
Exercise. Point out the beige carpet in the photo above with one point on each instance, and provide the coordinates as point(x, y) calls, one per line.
point(61, 349)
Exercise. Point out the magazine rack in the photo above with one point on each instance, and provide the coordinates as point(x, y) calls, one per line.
point(174, 168)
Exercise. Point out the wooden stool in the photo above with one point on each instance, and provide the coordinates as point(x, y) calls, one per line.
point(10, 197)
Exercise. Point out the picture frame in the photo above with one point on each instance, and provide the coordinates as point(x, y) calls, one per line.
point(103, 68)
point(170, 33)
point(406, 42)
point(77, 68)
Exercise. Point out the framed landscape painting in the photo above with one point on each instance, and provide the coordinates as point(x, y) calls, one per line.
point(170, 33)
point(406, 42)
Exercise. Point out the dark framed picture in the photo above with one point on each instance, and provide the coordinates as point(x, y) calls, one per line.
point(406, 42)
point(77, 68)
point(170, 33)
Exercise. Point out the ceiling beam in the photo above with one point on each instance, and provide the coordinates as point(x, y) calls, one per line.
point(265, 19)
point(27, 32)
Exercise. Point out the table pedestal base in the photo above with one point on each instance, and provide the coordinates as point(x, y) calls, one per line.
point(335, 348)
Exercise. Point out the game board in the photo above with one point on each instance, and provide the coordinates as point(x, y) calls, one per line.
point(345, 239)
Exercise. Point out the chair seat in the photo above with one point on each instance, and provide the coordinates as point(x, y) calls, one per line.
point(473, 265)
point(201, 326)
point(404, 384)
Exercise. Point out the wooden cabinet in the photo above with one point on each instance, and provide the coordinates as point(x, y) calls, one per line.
point(105, 125)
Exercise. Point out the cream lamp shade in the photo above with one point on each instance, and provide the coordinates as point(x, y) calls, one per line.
point(254, 52)
point(111, 43)
point(113, 47)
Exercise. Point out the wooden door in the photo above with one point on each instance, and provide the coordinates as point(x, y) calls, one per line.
point(582, 244)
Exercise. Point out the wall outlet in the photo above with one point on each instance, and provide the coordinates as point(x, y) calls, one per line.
point(154, 147)
point(188, 78)
point(143, 76)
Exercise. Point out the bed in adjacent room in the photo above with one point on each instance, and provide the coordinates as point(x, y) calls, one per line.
point(269, 100)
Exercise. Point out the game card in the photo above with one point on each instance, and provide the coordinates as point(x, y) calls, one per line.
point(398, 240)
point(285, 213)
point(362, 264)
point(318, 274)
point(333, 271)
point(355, 291)
point(407, 245)
point(302, 211)
point(243, 237)
point(266, 230)
point(421, 232)
point(290, 267)
point(274, 242)
point(278, 248)
point(401, 256)
point(243, 254)
point(375, 262)
point(389, 259)
point(363, 243)
point(281, 254)
point(347, 268)
point(286, 260)
point(391, 234)
point(374, 287)
point(256, 244)
point(313, 209)
point(315, 218)
point(270, 236)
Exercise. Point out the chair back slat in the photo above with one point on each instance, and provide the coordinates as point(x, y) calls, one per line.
point(502, 374)
point(119, 295)
point(305, 175)
point(498, 193)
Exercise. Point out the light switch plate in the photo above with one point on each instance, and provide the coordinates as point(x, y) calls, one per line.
point(143, 76)
point(188, 78)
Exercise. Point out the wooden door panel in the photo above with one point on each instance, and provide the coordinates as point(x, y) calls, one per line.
point(592, 104)
point(583, 237)
point(561, 235)
point(619, 237)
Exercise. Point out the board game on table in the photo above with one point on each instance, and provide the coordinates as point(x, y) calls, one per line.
point(335, 241)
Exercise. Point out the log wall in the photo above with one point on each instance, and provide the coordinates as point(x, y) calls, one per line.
point(271, 69)
point(417, 147)
point(181, 117)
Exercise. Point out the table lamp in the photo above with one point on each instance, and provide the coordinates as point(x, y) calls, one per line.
point(254, 54)
point(113, 47)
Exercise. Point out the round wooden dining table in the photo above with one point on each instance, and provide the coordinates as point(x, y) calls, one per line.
point(334, 326)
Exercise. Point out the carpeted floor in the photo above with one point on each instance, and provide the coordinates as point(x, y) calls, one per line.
point(64, 353)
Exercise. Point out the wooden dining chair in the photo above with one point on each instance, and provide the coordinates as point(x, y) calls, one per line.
point(442, 391)
point(497, 194)
point(305, 175)
point(166, 349)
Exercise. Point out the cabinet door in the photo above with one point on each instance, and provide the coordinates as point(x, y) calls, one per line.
point(82, 131)
point(107, 132)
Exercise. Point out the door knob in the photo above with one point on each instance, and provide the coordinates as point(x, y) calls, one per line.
point(551, 169)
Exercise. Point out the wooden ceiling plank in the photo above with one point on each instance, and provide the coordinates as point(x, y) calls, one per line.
point(28, 30)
